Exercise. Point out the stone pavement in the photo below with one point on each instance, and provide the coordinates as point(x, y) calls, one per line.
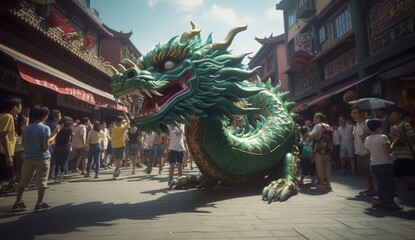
point(142, 207)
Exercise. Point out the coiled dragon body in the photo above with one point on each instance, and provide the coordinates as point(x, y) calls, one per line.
point(204, 86)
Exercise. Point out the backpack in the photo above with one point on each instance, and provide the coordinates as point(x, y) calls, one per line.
point(325, 144)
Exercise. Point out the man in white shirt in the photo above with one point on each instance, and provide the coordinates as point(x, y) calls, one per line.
point(79, 143)
point(362, 154)
point(176, 149)
point(347, 153)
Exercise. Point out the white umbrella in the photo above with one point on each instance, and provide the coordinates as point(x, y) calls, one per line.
point(372, 103)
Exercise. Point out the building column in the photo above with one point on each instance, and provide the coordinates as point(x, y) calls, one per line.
point(360, 33)
point(275, 60)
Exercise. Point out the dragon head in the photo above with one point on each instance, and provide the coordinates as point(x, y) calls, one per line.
point(185, 79)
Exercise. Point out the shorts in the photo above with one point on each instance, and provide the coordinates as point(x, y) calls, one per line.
point(79, 152)
point(133, 149)
point(41, 167)
point(109, 148)
point(363, 165)
point(6, 172)
point(158, 150)
point(118, 153)
point(175, 156)
point(18, 161)
point(347, 152)
point(404, 168)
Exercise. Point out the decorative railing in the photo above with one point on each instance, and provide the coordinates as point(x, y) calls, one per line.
point(56, 34)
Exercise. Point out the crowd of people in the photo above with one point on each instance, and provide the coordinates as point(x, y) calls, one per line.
point(378, 148)
point(45, 146)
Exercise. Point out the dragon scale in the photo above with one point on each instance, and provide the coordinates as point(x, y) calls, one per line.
point(239, 158)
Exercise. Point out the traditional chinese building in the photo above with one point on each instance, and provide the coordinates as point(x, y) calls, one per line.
point(52, 53)
point(341, 50)
point(272, 59)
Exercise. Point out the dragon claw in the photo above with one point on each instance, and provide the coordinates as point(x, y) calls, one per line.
point(185, 182)
point(279, 190)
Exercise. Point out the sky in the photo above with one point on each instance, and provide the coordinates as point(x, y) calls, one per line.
point(157, 21)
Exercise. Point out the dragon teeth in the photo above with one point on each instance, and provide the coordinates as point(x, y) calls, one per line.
point(138, 92)
point(156, 93)
point(157, 108)
point(147, 92)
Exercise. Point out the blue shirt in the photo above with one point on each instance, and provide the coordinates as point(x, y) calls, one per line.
point(33, 136)
point(52, 124)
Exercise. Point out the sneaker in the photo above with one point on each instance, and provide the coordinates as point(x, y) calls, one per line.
point(392, 206)
point(62, 181)
point(132, 173)
point(41, 207)
point(116, 175)
point(18, 207)
point(96, 176)
point(87, 175)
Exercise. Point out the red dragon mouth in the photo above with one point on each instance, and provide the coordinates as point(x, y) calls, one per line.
point(154, 101)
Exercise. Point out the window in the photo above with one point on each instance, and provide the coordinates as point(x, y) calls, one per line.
point(322, 36)
point(341, 24)
point(292, 17)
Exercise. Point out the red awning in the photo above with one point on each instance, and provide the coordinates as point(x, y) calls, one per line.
point(40, 74)
point(58, 85)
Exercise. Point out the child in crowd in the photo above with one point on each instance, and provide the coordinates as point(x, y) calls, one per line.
point(382, 165)
point(306, 162)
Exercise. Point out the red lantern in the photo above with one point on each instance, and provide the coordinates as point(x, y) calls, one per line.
point(349, 96)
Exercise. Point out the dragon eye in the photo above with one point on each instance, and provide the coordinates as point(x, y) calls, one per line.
point(169, 65)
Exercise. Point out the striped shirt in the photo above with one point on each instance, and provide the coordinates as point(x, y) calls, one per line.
point(402, 149)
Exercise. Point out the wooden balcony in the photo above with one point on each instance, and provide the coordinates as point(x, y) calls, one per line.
point(56, 34)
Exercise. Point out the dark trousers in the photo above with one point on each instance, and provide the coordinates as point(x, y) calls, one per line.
point(385, 177)
point(94, 155)
point(60, 157)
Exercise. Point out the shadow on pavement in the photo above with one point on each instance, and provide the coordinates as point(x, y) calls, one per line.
point(70, 218)
point(381, 213)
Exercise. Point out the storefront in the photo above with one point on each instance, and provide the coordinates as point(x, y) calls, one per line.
point(38, 83)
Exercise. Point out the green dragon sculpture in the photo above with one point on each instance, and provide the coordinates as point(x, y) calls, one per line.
point(204, 86)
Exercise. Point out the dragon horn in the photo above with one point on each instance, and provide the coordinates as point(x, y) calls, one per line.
point(113, 69)
point(223, 45)
point(121, 67)
point(130, 63)
point(191, 34)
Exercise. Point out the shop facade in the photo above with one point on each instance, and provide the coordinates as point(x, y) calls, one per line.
point(339, 51)
point(50, 54)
